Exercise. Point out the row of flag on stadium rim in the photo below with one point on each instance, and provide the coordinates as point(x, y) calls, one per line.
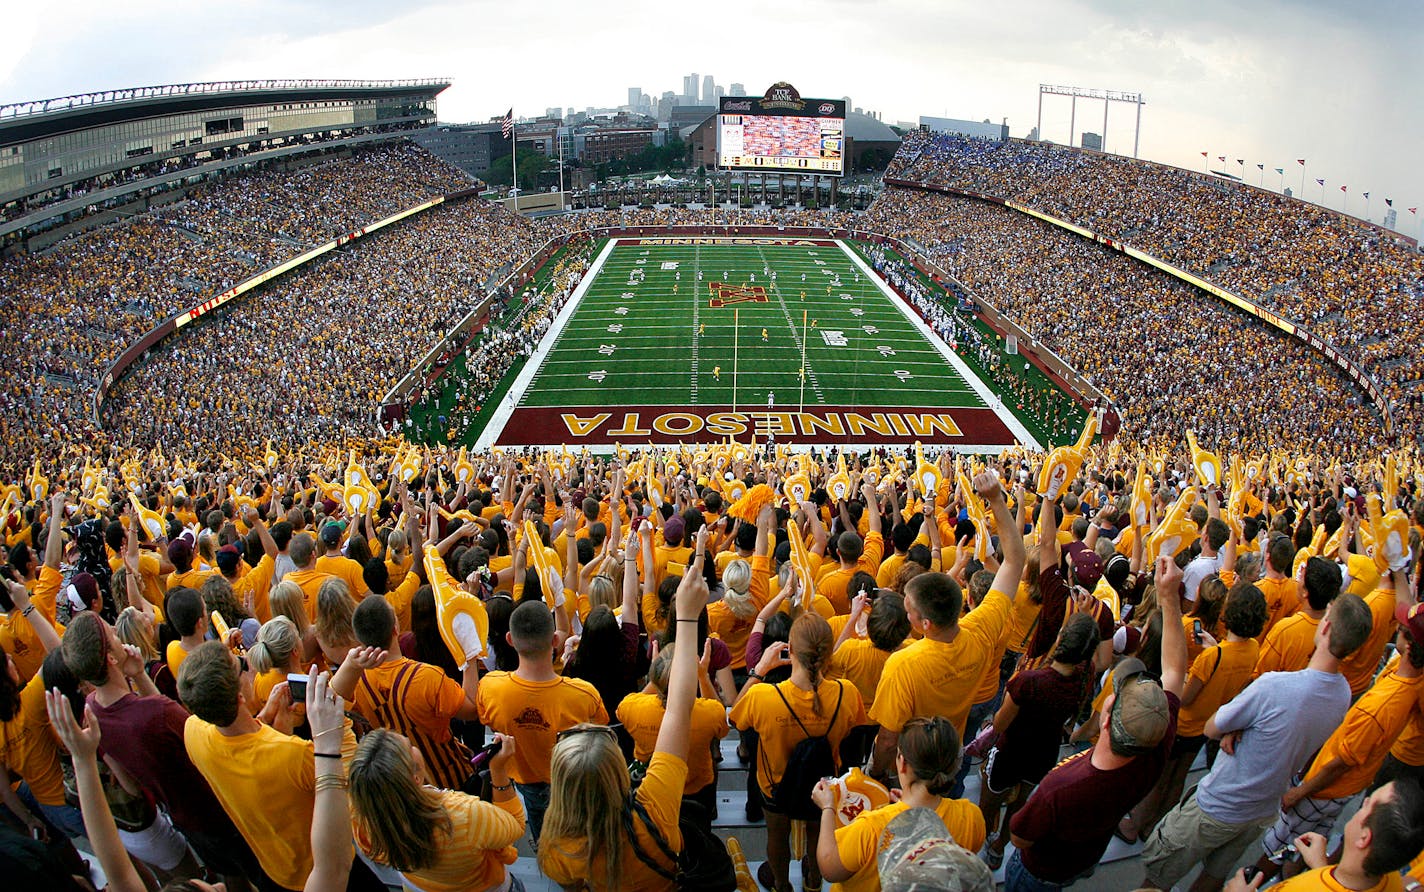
point(1389, 202)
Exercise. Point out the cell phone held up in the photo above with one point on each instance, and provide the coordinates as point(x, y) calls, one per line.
point(297, 687)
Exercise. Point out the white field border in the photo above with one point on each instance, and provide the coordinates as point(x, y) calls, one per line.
point(535, 362)
point(515, 395)
point(958, 364)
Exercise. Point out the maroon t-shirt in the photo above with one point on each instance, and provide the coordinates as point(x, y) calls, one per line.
point(144, 735)
point(1046, 701)
point(1071, 815)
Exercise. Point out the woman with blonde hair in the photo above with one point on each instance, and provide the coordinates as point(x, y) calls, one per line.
point(288, 599)
point(807, 705)
point(439, 840)
point(596, 834)
point(731, 618)
point(334, 612)
point(276, 653)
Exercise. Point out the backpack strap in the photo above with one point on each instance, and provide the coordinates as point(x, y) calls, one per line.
point(636, 807)
point(840, 698)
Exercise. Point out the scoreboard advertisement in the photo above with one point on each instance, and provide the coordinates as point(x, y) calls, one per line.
point(781, 133)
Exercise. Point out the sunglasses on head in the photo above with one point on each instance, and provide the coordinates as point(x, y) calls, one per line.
point(610, 730)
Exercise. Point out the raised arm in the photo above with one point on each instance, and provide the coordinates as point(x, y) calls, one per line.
point(631, 586)
point(682, 684)
point(1047, 534)
point(1168, 579)
point(54, 542)
point(1011, 542)
point(43, 628)
point(872, 507)
point(331, 813)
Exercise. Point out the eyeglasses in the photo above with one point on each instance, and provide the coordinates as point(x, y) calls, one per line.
point(610, 730)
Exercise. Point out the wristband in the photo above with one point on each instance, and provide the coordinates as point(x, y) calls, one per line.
point(327, 755)
point(28, 610)
point(689, 620)
point(753, 674)
point(502, 787)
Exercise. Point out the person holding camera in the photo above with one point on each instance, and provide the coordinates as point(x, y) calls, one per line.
point(439, 840)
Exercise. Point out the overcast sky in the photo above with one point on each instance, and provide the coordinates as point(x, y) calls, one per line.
point(1270, 81)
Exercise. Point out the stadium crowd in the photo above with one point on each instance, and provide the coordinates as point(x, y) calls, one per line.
point(70, 310)
point(1355, 285)
point(1137, 334)
point(284, 696)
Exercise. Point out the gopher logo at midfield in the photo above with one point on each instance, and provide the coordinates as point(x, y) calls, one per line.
point(724, 294)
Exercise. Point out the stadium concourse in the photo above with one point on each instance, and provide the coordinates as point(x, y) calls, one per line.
point(1221, 602)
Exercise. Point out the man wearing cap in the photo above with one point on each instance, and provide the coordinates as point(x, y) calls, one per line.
point(1349, 760)
point(1064, 828)
point(1406, 756)
point(1267, 733)
point(338, 564)
point(251, 588)
point(918, 854)
point(184, 575)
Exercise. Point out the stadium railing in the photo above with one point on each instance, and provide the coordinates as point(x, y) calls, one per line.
point(1362, 379)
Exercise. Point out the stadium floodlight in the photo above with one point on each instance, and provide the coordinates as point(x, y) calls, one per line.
point(1108, 97)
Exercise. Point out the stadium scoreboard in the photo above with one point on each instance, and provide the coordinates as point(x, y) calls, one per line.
point(782, 133)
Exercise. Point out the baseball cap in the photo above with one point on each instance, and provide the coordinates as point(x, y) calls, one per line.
point(1087, 569)
point(673, 530)
point(331, 534)
point(1412, 618)
point(918, 855)
point(227, 558)
point(180, 551)
point(1140, 714)
point(83, 591)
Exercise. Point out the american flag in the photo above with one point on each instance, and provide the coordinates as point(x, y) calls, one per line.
point(506, 127)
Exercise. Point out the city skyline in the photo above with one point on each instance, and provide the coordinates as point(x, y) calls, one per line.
point(1265, 81)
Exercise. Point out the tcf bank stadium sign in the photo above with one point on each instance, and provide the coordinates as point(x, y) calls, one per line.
point(603, 426)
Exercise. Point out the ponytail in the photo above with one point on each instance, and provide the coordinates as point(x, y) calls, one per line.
point(277, 640)
point(811, 644)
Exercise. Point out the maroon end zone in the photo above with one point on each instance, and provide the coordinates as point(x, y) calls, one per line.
point(603, 426)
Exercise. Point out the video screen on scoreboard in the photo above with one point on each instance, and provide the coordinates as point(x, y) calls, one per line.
point(782, 134)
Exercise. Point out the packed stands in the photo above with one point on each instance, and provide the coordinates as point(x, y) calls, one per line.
point(1355, 285)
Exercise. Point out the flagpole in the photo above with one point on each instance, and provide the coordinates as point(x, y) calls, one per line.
point(736, 343)
point(804, 332)
point(513, 157)
point(1302, 181)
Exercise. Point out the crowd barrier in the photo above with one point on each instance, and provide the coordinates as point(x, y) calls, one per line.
point(1361, 378)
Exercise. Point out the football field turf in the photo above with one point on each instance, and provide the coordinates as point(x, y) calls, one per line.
point(696, 339)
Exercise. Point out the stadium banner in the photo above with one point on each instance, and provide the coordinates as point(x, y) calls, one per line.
point(271, 273)
point(690, 241)
point(781, 133)
point(601, 427)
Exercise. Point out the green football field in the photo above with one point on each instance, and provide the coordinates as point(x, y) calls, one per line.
point(708, 329)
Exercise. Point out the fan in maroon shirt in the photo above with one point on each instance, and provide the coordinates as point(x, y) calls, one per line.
point(1064, 828)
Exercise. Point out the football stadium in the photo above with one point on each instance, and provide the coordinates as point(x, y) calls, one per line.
point(1032, 516)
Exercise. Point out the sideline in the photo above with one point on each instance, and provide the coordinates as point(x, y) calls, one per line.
point(987, 395)
point(495, 426)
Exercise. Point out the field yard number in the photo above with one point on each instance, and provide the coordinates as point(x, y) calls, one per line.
point(598, 376)
point(622, 311)
point(669, 264)
point(886, 350)
point(857, 311)
point(615, 328)
point(607, 349)
point(902, 374)
point(834, 338)
point(870, 329)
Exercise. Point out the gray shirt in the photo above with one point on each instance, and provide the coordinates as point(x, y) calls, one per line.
point(1283, 718)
